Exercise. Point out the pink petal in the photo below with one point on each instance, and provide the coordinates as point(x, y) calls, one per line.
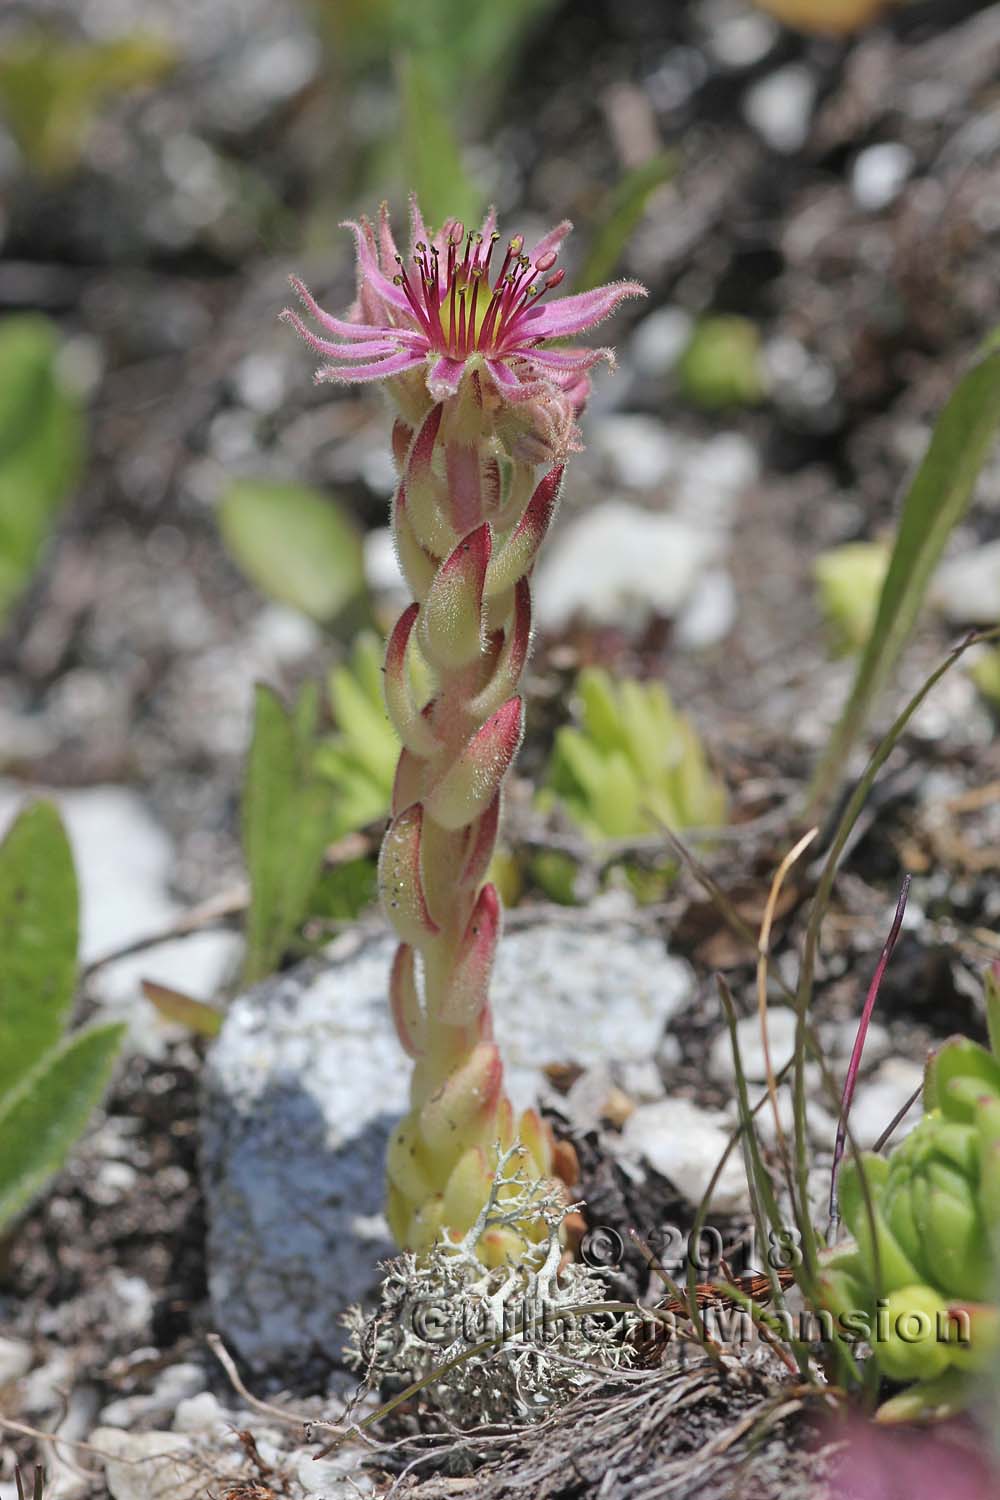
point(370, 272)
point(444, 377)
point(418, 229)
point(490, 222)
point(386, 243)
point(552, 240)
point(503, 375)
point(516, 388)
point(339, 326)
point(555, 320)
point(362, 349)
point(379, 369)
point(569, 359)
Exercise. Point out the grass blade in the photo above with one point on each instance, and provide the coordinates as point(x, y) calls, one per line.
point(625, 207)
point(936, 501)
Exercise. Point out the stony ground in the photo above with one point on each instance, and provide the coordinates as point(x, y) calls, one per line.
point(841, 196)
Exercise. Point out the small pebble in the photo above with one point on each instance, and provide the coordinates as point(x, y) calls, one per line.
point(879, 173)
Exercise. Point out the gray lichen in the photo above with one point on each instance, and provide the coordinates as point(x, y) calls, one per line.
point(497, 1345)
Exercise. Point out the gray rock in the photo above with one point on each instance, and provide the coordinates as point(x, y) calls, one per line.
point(307, 1079)
point(148, 1465)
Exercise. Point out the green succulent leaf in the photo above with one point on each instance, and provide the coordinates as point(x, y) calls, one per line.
point(890, 1268)
point(43, 1117)
point(38, 939)
point(957, 1075)
point(633, 765)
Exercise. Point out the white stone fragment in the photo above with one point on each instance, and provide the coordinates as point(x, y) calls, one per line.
point(879, 174)
point(781, 1040)
point(684, 1143)
point(779, 107)
point(617, 564)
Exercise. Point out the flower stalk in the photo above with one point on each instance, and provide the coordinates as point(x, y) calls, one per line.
point(486, 416)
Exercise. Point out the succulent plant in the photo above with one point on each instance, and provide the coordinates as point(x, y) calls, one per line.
point(721, 365)
point(360, 758)
point(849, 580)
point(461, 333)
point(924, 1269)
point(631, 766)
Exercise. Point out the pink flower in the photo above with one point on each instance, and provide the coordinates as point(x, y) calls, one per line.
point(459, 305)
point(875, 1463)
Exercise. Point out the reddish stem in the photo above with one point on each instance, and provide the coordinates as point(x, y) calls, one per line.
point(854, 1065)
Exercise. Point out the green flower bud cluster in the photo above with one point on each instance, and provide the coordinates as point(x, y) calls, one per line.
point(923, 1267)
point(632, 766)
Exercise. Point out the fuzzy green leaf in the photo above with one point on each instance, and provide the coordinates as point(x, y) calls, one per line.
point(43, 1117)
point(295, 544)
point(38, 938)
point(286, 827)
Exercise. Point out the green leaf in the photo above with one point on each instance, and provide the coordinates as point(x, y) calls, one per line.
point(42, 1119)
point(431, 152)
point(623, 211)
point(294, 544)
point(38, 938)
point(41, 446)
point(936, 501)
point(286, 827)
